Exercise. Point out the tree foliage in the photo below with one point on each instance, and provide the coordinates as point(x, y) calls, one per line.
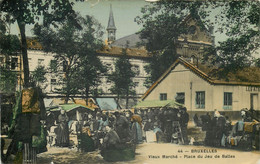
point(29, 12)
point(75, 51)
point(122, 77)
point(38, 76)
point(9, 46)
point(8, 80)
point(163, 23)
point(239, 20)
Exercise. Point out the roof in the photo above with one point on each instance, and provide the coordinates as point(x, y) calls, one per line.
point(117, 52)
point(107, 103)
point(206, 77)
point(33, 44)
point(70, 107)
point(114, 51)
point(133, 41)
point(111, 22)
point(158, 104)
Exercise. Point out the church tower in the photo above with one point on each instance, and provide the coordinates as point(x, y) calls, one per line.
point(111, 28)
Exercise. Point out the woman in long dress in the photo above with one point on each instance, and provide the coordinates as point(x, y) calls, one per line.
point(137, 129)
point(63, 130)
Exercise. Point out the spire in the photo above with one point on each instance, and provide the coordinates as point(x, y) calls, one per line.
point(111, 22)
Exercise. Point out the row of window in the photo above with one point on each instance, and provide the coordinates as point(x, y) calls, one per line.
point(200, 99)
point(135, 68)
point(10, 64)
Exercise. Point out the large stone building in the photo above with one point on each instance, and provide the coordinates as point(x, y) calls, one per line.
point(190, 47)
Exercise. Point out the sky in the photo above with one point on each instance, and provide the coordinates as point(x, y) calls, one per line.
point(124, 12)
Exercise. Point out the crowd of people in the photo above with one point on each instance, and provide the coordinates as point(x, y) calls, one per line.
point(220, 132)
point(105, 130)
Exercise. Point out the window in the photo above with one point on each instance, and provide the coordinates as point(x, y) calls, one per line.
point(53, 81)
point(136, 84)
point(40, 61)
point(14, 63)
point(227, 100)
point(180, 97)
point(192, 29)
point(136, 69)
point(163, 96)
point(53, 65)
point(108, 82)
point(200, 100)
point(64, 64)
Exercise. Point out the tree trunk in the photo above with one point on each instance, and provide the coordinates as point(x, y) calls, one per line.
point(127, 93)
point(87, 94)
point(21, 25)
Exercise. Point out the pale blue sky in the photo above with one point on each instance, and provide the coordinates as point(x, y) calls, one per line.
point(124, 13)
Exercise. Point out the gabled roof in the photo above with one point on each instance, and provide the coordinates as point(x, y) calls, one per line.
point(198, 72)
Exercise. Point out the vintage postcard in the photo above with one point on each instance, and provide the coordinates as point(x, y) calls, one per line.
point(130, 81)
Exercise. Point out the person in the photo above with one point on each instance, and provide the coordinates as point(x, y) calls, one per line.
point(63, 130)
point(113, 149)
point(86, 143)
point(196, 119)
point(50, 119)
point(148, 125)
point(137, 128)
point(96, 122)
point(159, 133)
point(111, 138)
point(168, 124)
point(122, 127)
point(184, 124)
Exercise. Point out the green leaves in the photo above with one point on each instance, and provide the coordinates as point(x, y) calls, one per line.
point(38, 75)
point(8, 80)
point(9, 44)
point(122, 77)
point(75, 50)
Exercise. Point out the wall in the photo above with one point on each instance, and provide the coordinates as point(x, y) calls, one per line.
point(181, 79)
point(37, 58)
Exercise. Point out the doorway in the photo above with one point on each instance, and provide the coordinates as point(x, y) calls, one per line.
point(254, 101)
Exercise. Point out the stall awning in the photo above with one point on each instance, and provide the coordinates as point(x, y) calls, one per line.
point(107, 103)
point(70, 107)
point(158, 104)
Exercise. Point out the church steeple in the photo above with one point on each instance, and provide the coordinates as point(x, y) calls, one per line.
point(111, 28)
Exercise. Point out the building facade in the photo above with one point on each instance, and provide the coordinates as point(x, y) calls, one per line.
point(189, 85)
point(190, 46)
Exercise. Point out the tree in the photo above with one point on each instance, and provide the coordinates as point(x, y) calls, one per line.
point(9, 46)
point(122, 77)
point(75, 51)
point(38, 76)
point(90, 74)
point(162, 25)
point(240, 21)
point(8, 81)
point(29, 12)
